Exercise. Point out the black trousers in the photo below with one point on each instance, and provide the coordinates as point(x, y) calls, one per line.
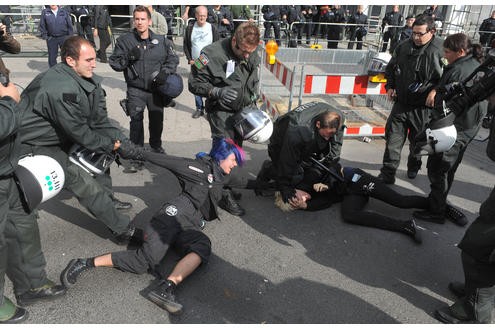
point(276, 31)
point(368, 186)
point(104, 43)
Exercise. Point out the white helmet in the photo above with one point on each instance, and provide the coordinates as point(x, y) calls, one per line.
point(379, 63)
point(90, 161)
point(40, 178)
point(253, 125)
point(437, 138)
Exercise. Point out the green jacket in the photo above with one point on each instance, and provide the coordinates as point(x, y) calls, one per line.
point(10, 119)
point(62, 108)
point(240, 11)
point(410, 65)
point(209, 71)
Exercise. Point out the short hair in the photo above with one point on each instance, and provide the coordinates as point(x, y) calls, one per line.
point(457, 42)
point(329, 119)
point(72, 47)
point(247, 33)
point(425, 20)
point(141, 9)
point(222, 148)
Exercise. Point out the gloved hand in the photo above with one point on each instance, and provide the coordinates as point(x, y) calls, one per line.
point(287, 193)
point(134, 54)
point(225, 95)
point(160, 78)
point(129, 150)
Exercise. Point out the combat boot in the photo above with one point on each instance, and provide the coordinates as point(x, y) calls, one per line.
point(387, 179)
point(455, 215)
point(48, 291)
point(411, 229)
point(163, 295)
point(229, 204)
point(10, 314)
point(75, 267)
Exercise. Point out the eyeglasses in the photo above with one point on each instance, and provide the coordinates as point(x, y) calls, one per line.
point(419, 34)
point(243, 51)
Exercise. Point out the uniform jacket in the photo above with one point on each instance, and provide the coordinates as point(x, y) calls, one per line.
point(187, 38)
point(358, 18)
point(410, 64)
point(102, 18)
point(157, 54)
point(62, 108)
point(394, 19)
point(271, 13)
point(55, 26)
point(10, 119)
point(201, 180)
point(240, 12)
point(215, 17)
point(488, 25)
point(292, 13)
point(209, 71)
point(470, 119)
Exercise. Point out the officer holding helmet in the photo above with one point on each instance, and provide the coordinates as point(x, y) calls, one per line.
point(226, 73)
point(20, 245)
point(147, 60)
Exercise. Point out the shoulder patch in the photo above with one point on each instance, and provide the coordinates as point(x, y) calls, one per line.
point(70, 97)
point(201, 61)
point(171, 210)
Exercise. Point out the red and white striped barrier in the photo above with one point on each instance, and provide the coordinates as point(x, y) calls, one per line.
point(344, 85)
point(281, 72)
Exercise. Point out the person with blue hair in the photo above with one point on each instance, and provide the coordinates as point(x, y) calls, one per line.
point(177, 224)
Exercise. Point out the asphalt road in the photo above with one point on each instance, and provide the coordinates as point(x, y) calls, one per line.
point(267, 266)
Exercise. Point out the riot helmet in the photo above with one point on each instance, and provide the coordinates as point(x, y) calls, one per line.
point(172, 87)
point(376, 68)
point(440, 136)
point(253, 125)
point(39, 178)
point(90, 161)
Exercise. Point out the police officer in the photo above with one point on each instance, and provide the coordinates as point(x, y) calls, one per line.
point(168, 11)
point(65, 106)
point(316, 130)
point(221, 17)
point(20, 247)
point(178, 223)
point(415, 68)
point(358, 31)
point(487, 30)
point(272, 17)
point(442, 166)
point(240, 13)
point(226, 73)
point(55, 26)
point(307, 13)
point(335, 15)
point(84, 16)
point(404, 33)
point(141, 54)
point(395, 19)
point(101, 25)
point(291, 14)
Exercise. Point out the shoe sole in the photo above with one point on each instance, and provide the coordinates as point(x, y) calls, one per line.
point(63, 275)
point(171, 307)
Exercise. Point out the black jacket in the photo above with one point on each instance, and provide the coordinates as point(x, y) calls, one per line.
point(187, 38)
point(156, 54)
point(101, 17)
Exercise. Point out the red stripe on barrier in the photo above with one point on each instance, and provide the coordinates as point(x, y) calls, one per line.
point(360, 84)
point(383, 91)
point(284, 77)
point(308, 83)
point(378, 130)
point(333, 84)
point(352, 131)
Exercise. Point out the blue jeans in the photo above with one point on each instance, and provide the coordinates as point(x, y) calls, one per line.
point(199, 102)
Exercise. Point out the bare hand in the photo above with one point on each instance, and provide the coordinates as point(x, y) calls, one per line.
point(391, 94)
point(430, 99)
point(4, 29)
point(11, 91)
point(116, 145)
point(298, 203)
point(319, 187)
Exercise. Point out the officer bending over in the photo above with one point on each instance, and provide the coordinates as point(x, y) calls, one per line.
point(315, 129)
point(177, 224)
point(66, 106)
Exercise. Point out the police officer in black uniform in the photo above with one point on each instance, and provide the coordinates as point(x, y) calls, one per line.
point(487, 30)
point(221, 17)
point(84, 15)
point(226, 73)
point(292, 14)
point(358, 31)
point(307, 13)
point(177, 224)
point(395, 19)
point(415, 68)
point(335, 15)
point(146, 60)
point(272, 16)
point(168, 11)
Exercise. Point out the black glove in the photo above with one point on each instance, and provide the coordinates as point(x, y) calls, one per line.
point(225, 96)
point(129, 150)
point(160, 78)
point(287, 193)
point(134, 54)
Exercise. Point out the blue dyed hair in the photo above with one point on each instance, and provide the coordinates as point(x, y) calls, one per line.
point(222, 148)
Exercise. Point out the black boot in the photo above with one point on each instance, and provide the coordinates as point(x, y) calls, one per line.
point(429, 216)
point(75, 267)
point(10, 314)
point(229, 204)
point(164, 296)
point(455, 215)
point(411, 230)
point(47, 292)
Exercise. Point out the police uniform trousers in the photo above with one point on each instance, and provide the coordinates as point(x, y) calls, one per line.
point(442, 168)
point(53, 43)
point(105, 41)
point(138, 100)
point(358, 194)
point(21, 257)
point(93, 193)
point(177, 224)
point(276, 30)
point(222, 126)
point(400, 125)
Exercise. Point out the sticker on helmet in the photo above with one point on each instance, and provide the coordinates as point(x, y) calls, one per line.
point(171, 210)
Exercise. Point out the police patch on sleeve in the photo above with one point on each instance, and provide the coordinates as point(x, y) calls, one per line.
point(201, 61)
point(210, 178)
point(171, 210)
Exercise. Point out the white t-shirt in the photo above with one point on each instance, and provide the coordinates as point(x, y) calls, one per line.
point(201, 36)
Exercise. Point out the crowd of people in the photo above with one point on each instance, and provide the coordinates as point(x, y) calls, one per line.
point(64, 108)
